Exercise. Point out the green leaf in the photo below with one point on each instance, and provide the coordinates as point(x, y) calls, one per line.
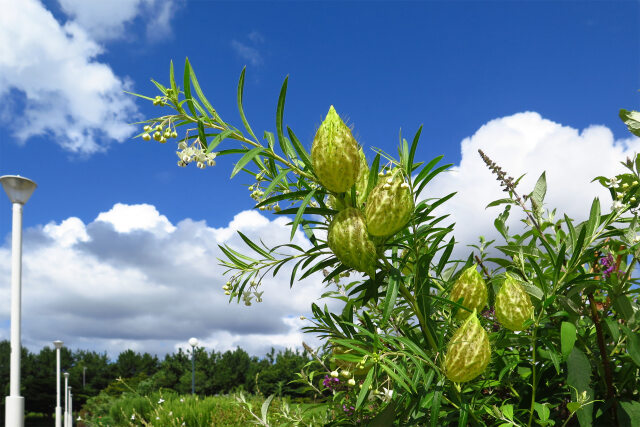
point(279, 117)
point(542, 410)
point(435, 404)
point(302, 153)
point(567, 338)
point(246, 159)
point(203, 99)
point(390, 298)
point(240, 107)
point(500, 202)
point(579, 377)
point(632, 120)
point(172, 80)
point(622, 304)
point(633, 344)
point(255, 247)
point(629, 414)
point(218, 139)
point(187, 87)
point(594, 218)
point(539, 191)
point(365, 389)
point(265, 407)
point(301, 209)
point(414, 146)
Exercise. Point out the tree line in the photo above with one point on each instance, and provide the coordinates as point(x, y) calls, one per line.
point(215, 373)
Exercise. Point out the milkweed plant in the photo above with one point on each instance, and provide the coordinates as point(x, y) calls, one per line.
point(539, 327)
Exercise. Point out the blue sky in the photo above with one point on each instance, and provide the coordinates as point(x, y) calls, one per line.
point(468, 71)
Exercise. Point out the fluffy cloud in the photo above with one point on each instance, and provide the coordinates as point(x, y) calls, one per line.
point(107, 20)
point(526, 143)
point(131, 279)
point(249, 51)
point(62, 90)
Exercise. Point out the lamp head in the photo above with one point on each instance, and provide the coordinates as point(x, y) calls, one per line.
point(58, 344)
point(193, 342)
point(66, 375)
point(18, 188)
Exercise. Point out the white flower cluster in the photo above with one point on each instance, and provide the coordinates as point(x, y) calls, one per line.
point(247, 296)
point(194, 153)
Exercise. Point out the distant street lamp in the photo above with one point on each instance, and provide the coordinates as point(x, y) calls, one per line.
point(19, 190)
point(66, 402)
point(193, 342)
point(58, 345)
point(69, 419)
point(84, 373)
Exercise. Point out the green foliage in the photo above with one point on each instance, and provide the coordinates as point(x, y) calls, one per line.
point(576, 352)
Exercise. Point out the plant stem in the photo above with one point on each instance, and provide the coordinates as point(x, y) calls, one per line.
point(608, 377)
point(423, 325)
point(533, 374)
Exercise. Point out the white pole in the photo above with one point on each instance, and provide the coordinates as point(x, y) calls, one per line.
point(19, 190)
point(66, 394)
point(70, 408)
point(58, 345)
point(14, 416)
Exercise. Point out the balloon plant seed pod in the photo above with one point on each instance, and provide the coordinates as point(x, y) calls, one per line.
point(350, 242)
point(334, 154)
point(472, 288)
point(389, 205)
point(513, 305)
point(468, 351)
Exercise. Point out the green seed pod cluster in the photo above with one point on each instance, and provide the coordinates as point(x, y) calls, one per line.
point(472, 288)
point(513, 305)
point(350, 242)
point(334, 154)
point(389, 205)
point(468, 351)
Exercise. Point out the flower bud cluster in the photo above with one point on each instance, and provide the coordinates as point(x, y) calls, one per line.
point(194, 153)
point(159, 133)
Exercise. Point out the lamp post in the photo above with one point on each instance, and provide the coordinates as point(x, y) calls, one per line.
point(193, 342)
point(19, 190)
point(66, 395)
point(58, 345)
point(70, 408)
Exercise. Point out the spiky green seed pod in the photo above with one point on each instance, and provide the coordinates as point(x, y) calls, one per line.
point(350, 242)
point(389, 205)
point(513, 305)
point(468, 351)
point(334, 154)
point(472, 288)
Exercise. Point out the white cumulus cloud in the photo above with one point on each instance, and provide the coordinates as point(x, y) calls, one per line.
point(131, 279)
point(526, 143)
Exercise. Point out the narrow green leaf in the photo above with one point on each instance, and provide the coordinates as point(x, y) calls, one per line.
point(172, 80)
point(255, 247)
point(373, 174)
point(365, 389)
point(390, 299)
point(425, 171)
point(539, 191)
point(202, 137)
point(240, 107)
point(594, 218)
point(567, 338)
point(435, 404)
point(246, 159)
point(414, 146)
point(187, 87)
point(500, 202)
point(265, 407)
point(279, 116)
point(203, 99)
point(301, 209)
point(302, 153)
point(218, 139)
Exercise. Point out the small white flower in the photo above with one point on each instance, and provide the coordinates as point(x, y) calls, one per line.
point(170, 413)
point(157, 418)
point(181, 399)
point(160, 401)
point(389, 180)
point(133, 416)
point(617, 205)
point(387, 395)
point(303, 318)
point(613, 182)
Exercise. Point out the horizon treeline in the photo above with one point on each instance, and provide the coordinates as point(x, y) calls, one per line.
point(215, 373)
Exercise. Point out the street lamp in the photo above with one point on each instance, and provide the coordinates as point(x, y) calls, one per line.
point(70, 408)
point(66, 402)
point(19, 190)
point(193, 342)
point(58, 345)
